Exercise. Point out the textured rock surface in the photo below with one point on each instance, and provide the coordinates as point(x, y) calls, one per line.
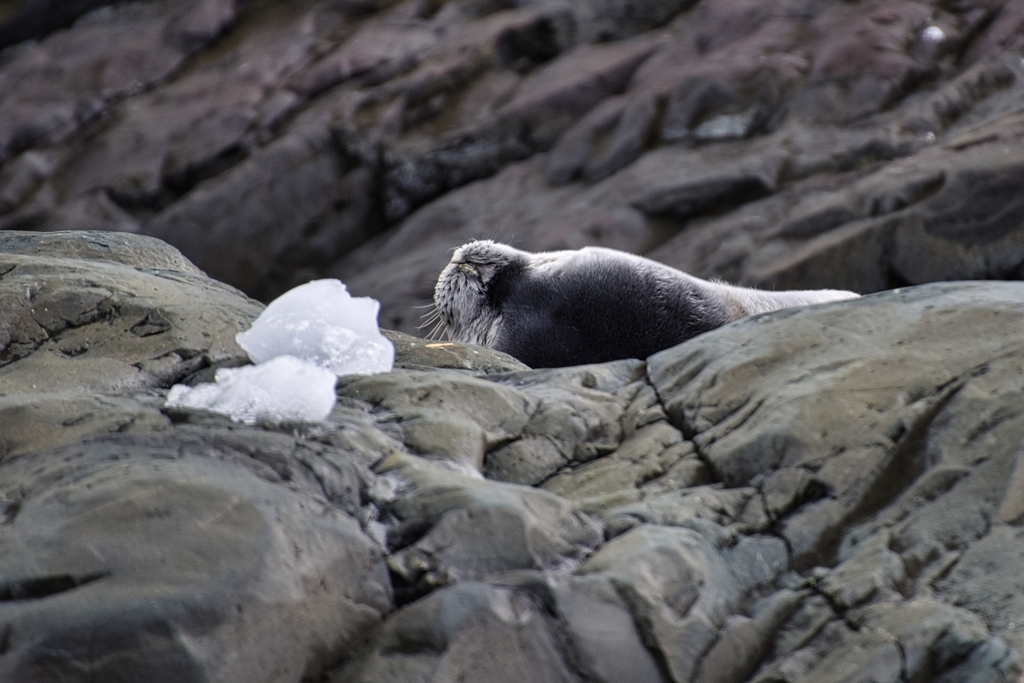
point(824, 494)
point(795, 144)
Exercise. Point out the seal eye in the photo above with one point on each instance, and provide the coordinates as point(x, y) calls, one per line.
point(481, 272)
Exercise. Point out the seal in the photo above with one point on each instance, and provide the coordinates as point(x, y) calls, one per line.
point(592, 305)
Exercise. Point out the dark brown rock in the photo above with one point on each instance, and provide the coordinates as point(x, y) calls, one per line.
point(812, 145)
point(55, 88)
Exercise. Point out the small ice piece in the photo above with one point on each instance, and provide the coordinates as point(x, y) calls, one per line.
point(322, 323)
point(726, 126)
point(285, 389)
point(934, 34)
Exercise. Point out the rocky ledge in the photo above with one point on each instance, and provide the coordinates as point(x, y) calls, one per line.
point(823, 494)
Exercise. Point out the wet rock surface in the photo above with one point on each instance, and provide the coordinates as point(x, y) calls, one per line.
point(822, 494)
point(804, 144)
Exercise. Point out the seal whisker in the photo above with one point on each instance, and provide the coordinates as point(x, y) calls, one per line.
point(429, 317)
point(435, 332)
point(433, 320)
point(430, 322)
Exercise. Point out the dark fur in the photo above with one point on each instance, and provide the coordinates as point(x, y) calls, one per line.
point(596, 311)
point(588, 306)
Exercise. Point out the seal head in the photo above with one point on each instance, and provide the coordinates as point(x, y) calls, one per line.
point(472, 287)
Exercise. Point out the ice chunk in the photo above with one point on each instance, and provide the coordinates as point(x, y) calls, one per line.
point(300, 343)
point(322, 323)
point(284, 389)
point(934, 34)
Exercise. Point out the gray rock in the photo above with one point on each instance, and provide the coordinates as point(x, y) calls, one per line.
point(677, 587)
point(575, 420)
point(604, 635)
point(873, 573)
point(865, 446)
point(821, 494)
point(211, 536)
point(57, 87)
point(744, 641)
point(472, 529)
point(982, 581)
point(162, 557)
point(912, 641)
point(41, 421)
point(453, 417)
point(135, 251)
point(757, 560)
point(327, 204)
point(116, 327)
point(469, 631)
point(92, 323)
point(415, 353)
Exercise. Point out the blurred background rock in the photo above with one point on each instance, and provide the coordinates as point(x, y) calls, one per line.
point(798, 143)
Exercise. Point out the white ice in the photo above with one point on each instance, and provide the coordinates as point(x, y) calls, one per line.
point(934, 34)
point(322, 323)
point(284, 389)
point(300, 343)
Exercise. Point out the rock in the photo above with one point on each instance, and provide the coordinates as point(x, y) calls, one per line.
point(718, 120)
point(677, 588)
point(472, 529)
point(457, 418)
point(181, 547)
point(136, 251)
point(819, 494)
point(914, 641)
point(975, 583)
point(302, 171)
point(887, 421)
point(471, 631)
point(57, 87)
point(205, 536)
point(820, 145)
point(603, 633)
point(414, 353)
point(744, 641)
point(576, 417)
point(48, 419)
point(873, 573)
point(82, 313)
point(542, 107)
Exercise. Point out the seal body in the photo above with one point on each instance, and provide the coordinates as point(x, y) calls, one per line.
point(591, 305)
